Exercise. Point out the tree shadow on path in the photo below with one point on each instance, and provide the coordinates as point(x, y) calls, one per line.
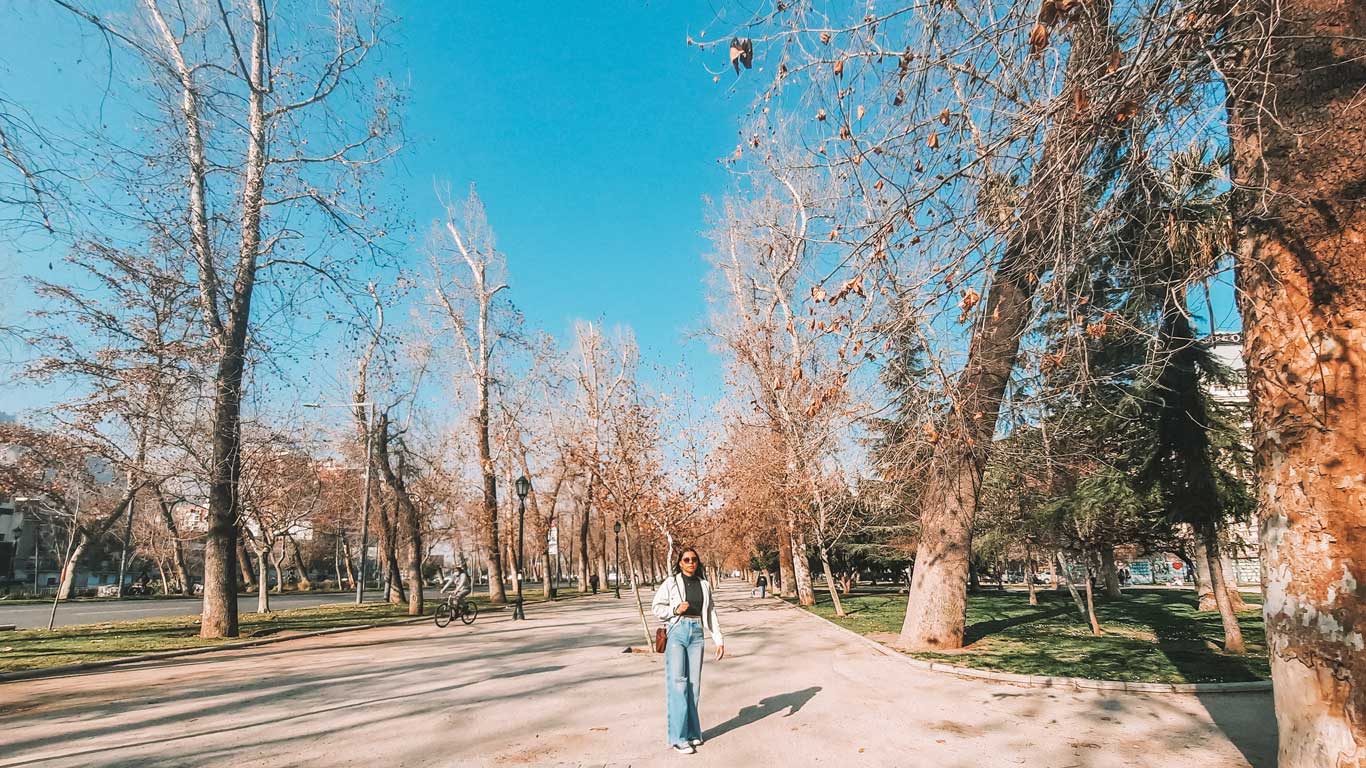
point(793, 702)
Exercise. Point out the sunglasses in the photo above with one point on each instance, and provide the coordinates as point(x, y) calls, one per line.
point(688, 560)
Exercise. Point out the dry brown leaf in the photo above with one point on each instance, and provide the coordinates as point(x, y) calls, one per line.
point(845, 133)
point(820, 114)
point(839, 67)
point(944, 116)
point(1126, 111)
point(1080, 99)
point(933, 142)
point(931, 434)
point(1048, 12)
point(817, 293)
point(825, 38)
point(899, 99)
point(859, 113)
point(969, 300)
point(1038, 39)
point(1115, 59)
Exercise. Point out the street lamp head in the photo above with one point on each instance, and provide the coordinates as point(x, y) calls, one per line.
point(523, 486)
point(616, 527)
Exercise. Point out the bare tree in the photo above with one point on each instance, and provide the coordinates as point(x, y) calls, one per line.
point(246, 194)
point(469, 311)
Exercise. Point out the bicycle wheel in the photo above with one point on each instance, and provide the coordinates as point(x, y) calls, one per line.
point(469, 612)
point(442, 617)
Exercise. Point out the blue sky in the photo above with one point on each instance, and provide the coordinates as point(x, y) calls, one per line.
point(592, 131)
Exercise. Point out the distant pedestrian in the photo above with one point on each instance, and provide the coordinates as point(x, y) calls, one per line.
point(684, 601)
point(593, 582)
point(761, 585)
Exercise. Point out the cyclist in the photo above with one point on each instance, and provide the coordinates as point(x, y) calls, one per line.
point(458, 585)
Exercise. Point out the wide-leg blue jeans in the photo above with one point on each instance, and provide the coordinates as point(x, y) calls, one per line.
point(683, 679)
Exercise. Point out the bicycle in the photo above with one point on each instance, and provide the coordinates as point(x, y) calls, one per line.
point(465, 610)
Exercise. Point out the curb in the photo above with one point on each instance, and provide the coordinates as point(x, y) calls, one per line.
point(32, 674)
point(1043, 681)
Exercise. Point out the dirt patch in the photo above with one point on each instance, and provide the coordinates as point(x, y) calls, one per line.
point(957, 729)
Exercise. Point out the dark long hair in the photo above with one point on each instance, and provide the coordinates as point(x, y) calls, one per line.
point(678, 562)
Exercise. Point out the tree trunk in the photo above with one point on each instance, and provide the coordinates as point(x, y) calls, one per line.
point(1091, 603)
point(1110, 573)
point(389, 551)
point(787, 583)
point(262, 583)
point(937, 599)
point(1067, 579)
point(1231, 583)
point(1233, 634)
point(635, 587)
point(1301, 276)
point(606, 553)
point(182, 569)
point(1053, 575)
point(1204, 584)
point(346, 563)
point(278, 562)
point(801, 567)
point(1029, 577)
point(585, 563)
point(67, 583)
point(304, 584)
point(497, 594)
point(244, 566)
point(974, 580)
point(407, 523)
point(830, 582)
point(218, 618)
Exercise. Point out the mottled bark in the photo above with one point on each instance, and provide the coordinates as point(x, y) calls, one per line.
point(1300, 217)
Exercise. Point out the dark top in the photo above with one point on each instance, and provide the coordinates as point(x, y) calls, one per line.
point(762, 581)
point(692, 592)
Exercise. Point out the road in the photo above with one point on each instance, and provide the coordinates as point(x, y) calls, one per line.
point(557, 690)
point(96, 611)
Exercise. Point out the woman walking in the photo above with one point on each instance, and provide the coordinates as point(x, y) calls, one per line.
point(684, 601)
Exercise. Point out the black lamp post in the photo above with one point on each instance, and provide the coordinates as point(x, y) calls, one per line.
point(616, 529)
point(523, 488)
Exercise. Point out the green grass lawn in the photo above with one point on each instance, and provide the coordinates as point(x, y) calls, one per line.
point(1154, 636)
point(36, 648)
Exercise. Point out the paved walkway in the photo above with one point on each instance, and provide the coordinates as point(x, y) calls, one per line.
point(556, 690)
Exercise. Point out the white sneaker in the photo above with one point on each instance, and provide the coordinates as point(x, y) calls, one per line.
point(695, 742)
point(684, 749)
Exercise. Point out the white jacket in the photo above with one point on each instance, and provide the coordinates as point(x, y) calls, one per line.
point(672, 592)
